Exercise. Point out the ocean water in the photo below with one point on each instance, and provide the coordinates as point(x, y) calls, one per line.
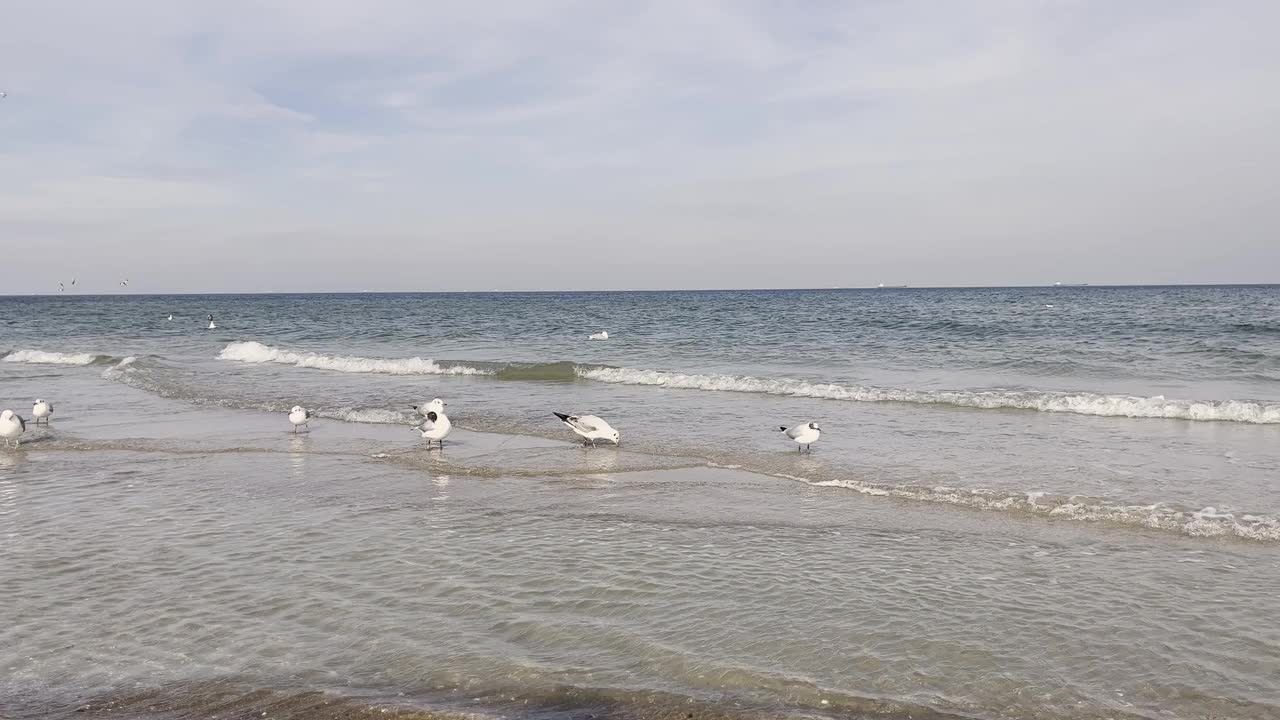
point(1026, 503)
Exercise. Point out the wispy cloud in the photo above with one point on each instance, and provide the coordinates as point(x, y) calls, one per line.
point(1014, 139)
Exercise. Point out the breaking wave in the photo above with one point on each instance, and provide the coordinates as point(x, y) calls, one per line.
point(40, 357)
point(256, 352)
point(1080, 403)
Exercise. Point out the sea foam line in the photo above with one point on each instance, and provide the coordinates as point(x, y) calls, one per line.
point(1208, 522)
point(40, 357)
point(256, 352)
point(1080, 403)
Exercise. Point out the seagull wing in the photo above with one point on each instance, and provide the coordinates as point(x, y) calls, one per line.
point(581, 425)
point(795, 431)
point(595, 424)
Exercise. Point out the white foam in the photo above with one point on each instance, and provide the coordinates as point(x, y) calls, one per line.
point(41, 357)
point(112, 372)
point(1204, 523)
point(378, 416)
point(255, 352)
point(1083, 403)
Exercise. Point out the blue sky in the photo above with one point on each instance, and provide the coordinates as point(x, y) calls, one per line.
point(298, 146)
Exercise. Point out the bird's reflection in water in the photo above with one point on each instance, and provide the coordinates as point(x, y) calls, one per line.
point(298, 445)
point(442, 486)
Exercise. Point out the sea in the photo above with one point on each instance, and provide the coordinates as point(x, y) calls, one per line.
point(1026, 503)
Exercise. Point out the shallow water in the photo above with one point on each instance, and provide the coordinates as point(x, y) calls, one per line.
point(171, 549)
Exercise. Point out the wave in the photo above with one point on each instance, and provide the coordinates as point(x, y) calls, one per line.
point(40, 357)
point(1207, 522)
point(1080, 403)
point(256, 352)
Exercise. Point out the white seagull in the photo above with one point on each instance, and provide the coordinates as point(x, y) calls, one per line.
point(11, 427)
point(41, 411)
point(435, 428)
point(435, 406)
point(124, 282)
point(170, 316)
point(299, 416)
point(805, 434)
point(590, 427)
point(602, 335)
point(211, 325)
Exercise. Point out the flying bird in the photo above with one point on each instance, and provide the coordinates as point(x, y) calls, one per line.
point(590, 427)
point(124, 282)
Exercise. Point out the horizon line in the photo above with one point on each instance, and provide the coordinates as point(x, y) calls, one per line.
point(1073, 286)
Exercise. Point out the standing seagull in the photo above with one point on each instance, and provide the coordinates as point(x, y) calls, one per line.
point(805, 434)
point(11, 427)
point(590, 427)
point(435, 406)
point(41, 411)
point(299, 416)
point(435, 428)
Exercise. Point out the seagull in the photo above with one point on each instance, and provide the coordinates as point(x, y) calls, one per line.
point(11, 427)
point(590, 427)
point(3, 95)
point(211, 325)
point(124, 282)
point(435, 406)
point(299, 416)
point(61, 288)
point(73, 282)
point(435, 428)
point(170, 316)
point(602, 335)
point(805, 434)
point(41, 411)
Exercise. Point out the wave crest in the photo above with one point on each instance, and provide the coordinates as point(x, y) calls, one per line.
point(40, 357)
point(256, 352)
point(1080, 403)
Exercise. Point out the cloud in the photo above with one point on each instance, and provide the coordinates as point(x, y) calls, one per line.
point(1005, 137)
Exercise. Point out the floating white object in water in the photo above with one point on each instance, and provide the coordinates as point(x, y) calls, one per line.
point(602, 335)
point(170, 316)
point(435, 406)
point(591, 428)
point(804, 434)
point(41, 411)
point(299, 416)
point(11, 427)
point(435, 428)
point(1050, 307)
point(211, 325)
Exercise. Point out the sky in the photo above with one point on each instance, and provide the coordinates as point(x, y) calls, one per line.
point(399, 145)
